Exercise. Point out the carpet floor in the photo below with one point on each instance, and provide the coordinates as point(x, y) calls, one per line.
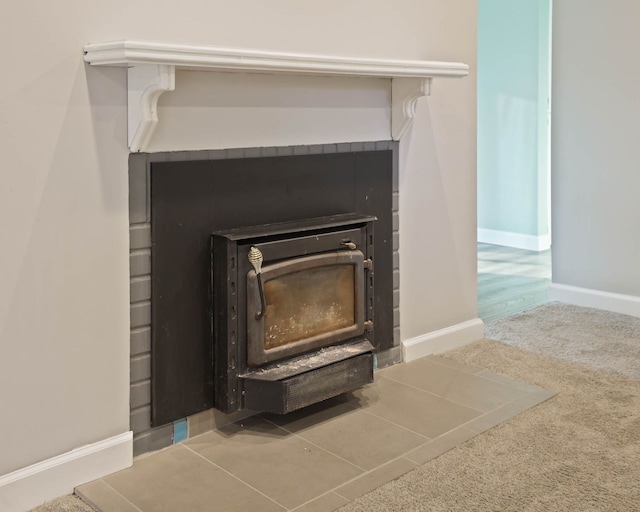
point(597, 339)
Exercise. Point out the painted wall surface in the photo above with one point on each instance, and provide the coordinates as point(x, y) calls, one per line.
point(513, 86)
point(254, 110)
point(64, 296)
point(596, 211)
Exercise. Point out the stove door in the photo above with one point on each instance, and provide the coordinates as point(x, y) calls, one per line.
point(310, 302)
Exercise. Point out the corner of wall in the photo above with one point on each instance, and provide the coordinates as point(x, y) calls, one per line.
point(443, 340)
point(54, 477)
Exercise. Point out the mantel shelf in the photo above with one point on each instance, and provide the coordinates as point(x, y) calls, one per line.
point(151, 71)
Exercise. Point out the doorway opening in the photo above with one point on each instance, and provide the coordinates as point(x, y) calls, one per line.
point(514, 172)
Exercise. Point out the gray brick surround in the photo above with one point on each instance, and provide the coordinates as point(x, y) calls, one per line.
point(146, 438)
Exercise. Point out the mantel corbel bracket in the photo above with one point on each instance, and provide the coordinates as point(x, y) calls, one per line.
point(404, 101)
point(145, 84)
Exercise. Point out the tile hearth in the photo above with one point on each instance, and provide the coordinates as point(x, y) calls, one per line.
point(322, 457)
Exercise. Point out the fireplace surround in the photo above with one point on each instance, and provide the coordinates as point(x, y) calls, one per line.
point(151, 71)
point(364, 177)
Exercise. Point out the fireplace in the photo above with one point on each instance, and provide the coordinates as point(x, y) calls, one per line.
point(311, 211)
point(293, 312)
point(370, 98)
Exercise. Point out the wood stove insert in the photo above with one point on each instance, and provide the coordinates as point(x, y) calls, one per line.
point(297, 327)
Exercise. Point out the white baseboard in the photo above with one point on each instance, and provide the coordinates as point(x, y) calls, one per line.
point(29, 487)
point(618, 303)
point(445, 339)
point(517, 240)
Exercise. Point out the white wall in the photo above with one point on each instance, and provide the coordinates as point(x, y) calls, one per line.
point(596, 211)
point(233, 110)
point(63, 204)
point(63, 219)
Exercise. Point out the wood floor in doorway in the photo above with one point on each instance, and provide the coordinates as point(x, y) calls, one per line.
point(511, 280)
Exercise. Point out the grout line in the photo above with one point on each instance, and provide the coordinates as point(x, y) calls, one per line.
point(427, 438)
point(432, 394)
point(314, 444)
point(330, 491)
point(138, 382)
point(122, 496)
point(391, 461)
point(437, 359)
point(232, 475)
point(483, 413)
point(142, 302)
point(141, 356)
point(140, 278)
point(140, 252)
point(485, 374)
point(403, 455)
point(503, 406)
point(473, 433)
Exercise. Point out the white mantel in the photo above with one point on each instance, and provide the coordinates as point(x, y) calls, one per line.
point(151, 71)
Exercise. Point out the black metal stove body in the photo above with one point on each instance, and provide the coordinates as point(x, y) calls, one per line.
point(297, 327)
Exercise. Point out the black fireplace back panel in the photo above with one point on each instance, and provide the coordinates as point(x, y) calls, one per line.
point(192, 199)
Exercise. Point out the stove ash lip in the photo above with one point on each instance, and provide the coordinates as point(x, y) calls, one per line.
point(238, 337)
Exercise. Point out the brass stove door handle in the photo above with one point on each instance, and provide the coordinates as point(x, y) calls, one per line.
point(255, 258)
point(263, 306)
point(348, 244)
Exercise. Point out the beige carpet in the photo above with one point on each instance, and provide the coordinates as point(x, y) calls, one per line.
point(598, 339)
point(579, 451)
point(64, 504)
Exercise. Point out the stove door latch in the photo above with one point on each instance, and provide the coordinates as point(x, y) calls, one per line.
point(348, 244)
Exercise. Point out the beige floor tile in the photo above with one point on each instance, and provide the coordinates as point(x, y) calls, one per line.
point(363, 439)
point(178, 479)
point(508, 411)
point(471, 390)
point(283, 466)
point(409, 415)
point(325, 503)
point(419, 411)
point(440, 445)
point(455, 364)
point(375, 479)
point(102, 497)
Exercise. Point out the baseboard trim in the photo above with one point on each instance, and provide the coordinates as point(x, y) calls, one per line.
point(29, 487)
point(388, 357)
point(445, 339)
point(516, 240)
point(588, 298)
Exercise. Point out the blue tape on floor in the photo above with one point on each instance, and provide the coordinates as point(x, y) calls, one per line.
point(180, 431)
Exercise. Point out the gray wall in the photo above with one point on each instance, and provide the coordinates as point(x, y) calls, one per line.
point(595, 164)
